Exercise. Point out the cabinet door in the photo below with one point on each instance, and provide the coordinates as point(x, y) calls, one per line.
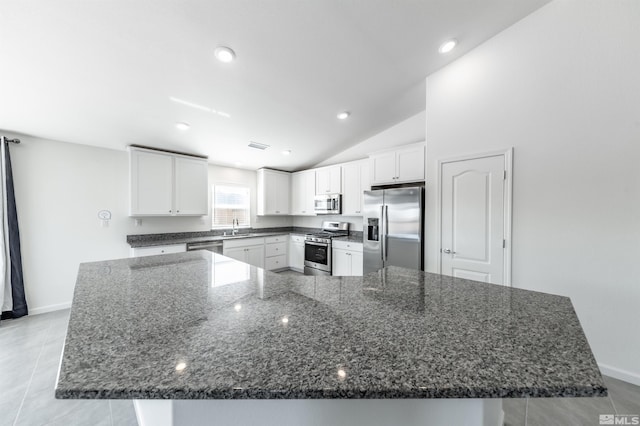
point(365, 178)
point(356, 263)
point(296, 252)
point(410, 164)
point(255, 256)
point(237, 253)
point(341, 263)
point(309, 191)
point(151, 183)
point(273, 192)
point(351, 192)
point(323, 182)
point(335, 180)
point(383, 168)
point(303, 190)
point(297, 193)
point(328, 180)
point(270, 193)
point(192, 182)
point(282, 185)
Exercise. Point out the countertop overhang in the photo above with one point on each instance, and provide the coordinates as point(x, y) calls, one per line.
point(199, 325)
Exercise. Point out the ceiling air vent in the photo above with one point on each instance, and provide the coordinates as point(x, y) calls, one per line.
point(258, 145)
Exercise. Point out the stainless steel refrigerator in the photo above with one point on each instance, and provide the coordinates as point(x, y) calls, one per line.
point(393, 228)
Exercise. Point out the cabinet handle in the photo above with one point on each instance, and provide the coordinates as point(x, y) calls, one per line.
point(357, 211)
point(277, 211)
point(177, 211)
point(169, 211)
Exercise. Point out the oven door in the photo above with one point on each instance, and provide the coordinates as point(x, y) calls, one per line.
point(317, 255)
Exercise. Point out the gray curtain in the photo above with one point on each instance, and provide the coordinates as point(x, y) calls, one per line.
point(12, 296)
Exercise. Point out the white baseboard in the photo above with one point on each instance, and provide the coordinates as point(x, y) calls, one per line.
point(617, 373)
point(49, 308)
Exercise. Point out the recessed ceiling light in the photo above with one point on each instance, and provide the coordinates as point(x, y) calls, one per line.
point(286, 152)
point(343, 115)
point(448, 46)
point(183, 126)
point(225, 54)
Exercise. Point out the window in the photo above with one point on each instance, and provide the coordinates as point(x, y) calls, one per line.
point(230, 202)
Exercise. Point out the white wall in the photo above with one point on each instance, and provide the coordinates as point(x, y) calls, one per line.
point(561, 87)
point(408, 131)
point(60, 188)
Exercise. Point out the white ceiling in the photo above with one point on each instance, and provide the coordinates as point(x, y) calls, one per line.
point(102, 72)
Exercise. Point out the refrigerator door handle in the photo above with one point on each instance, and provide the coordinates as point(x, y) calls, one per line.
point(386, 232)
point(382, 233)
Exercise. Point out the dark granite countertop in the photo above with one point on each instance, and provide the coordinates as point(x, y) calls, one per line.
point(149, 240)
point(353, 237)
point(198, 325)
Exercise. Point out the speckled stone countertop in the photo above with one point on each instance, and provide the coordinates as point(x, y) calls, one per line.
point(353, 237)
point(148, 240)
point(198, 325)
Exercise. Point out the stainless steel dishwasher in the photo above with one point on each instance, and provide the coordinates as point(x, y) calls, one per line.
point(213, 246)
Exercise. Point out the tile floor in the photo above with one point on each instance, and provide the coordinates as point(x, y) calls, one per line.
point(30, 349)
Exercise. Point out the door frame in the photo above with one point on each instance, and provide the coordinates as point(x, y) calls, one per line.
point(508, 207)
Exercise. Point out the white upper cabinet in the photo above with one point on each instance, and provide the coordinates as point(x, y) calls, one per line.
point(164, 184)
point(303, 189)
point(402, 164)
point(355, 180)
point(383, 167)
point(191, 177)
point(273, 192)
point(328, 180)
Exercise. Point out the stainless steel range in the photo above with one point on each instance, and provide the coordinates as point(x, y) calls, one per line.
point(317, 247)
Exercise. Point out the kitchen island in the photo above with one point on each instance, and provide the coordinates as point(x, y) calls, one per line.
point(393, 347)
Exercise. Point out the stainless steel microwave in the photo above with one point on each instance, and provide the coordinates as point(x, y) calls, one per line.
point(328, 204)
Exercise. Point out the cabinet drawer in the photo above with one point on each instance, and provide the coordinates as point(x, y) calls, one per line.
point(297, 238)
point(243, 242)
point(151, 251)
point(275, 249)
point(276, 239)
point(275, 262)
point(347, 245)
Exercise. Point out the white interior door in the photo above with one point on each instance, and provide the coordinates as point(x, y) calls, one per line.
point(473, 219)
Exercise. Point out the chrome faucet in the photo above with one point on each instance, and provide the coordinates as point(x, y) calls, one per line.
point(236, 225)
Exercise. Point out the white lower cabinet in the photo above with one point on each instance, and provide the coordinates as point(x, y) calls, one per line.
point(296, 253)
point(247, 250)
point(154, 250)
point(275, 252)
point(347, 258)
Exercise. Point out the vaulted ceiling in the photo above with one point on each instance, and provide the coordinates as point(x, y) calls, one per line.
point(120, 72)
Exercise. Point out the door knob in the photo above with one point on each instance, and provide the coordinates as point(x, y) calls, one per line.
point(448, 251)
